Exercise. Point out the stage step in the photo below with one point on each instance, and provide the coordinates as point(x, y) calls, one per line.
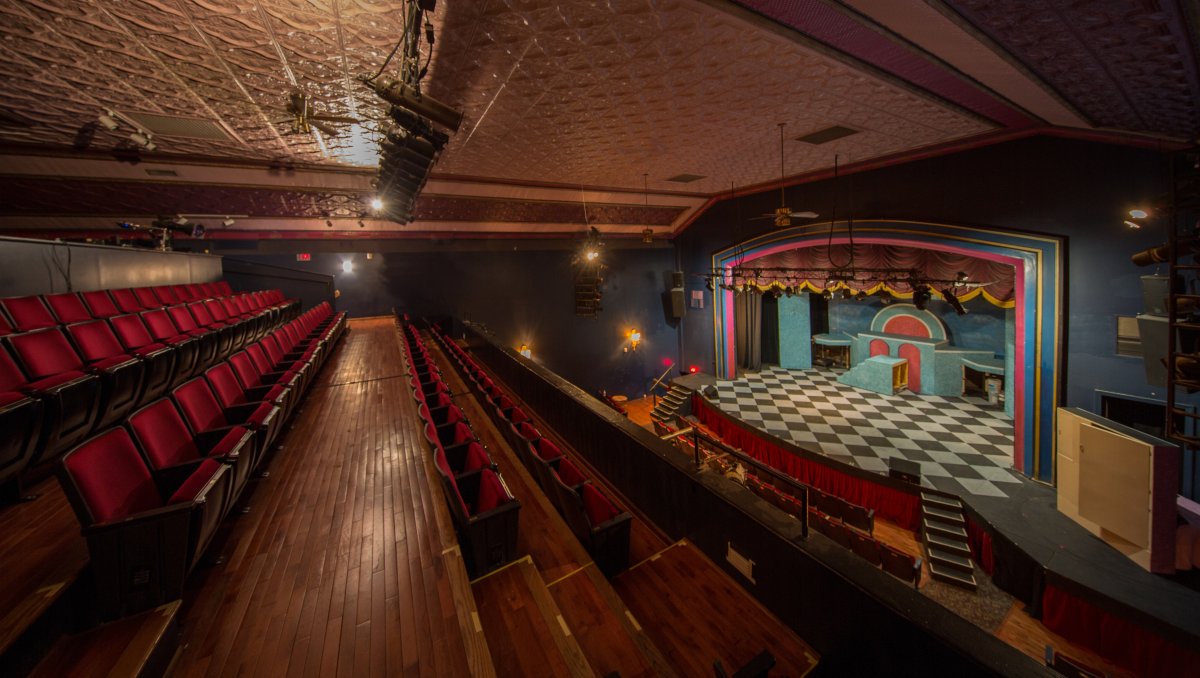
point(949, 559)
point(943, 529)
point(955, 546)
point(952, 517)
point(947, 503)
point(675, 397)
point(952, 576)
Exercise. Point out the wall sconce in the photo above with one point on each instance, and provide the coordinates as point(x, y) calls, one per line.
point(524, 350)
point(347, 266)
point(635, 338)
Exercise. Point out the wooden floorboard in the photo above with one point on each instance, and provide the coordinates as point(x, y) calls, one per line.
point(120, 648)
point(696, 614)
point(42, 553)
point(340, 568)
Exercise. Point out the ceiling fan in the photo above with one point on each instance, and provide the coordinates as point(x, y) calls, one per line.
point(303, 118)
point(783, 215)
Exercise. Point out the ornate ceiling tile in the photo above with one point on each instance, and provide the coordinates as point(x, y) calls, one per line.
point(1125, 64)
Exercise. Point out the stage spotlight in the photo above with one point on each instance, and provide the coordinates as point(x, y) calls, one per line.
point(827, 295)
point(648, 236)
point(591, 255)
point(108, 121)
point(860, 296)
point(399, 94)
point(181, 220)
point(886, 297)
point(228, 221)
point(1137, 217)
point(789, 291)
point(347, 266)
point(710, 284)
point(961, 277)
point(376, 203)
point(146, 141)
point(951, 299)
point(921, 296)
point(846, 293)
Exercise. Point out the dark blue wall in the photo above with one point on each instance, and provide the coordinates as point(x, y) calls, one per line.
point(1062, 187)
point(523, 296)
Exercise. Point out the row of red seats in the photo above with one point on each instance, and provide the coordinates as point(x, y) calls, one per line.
point(893, 561)
point(485, 512)
point(76, 364)
point(150, 494)
point(596, 521)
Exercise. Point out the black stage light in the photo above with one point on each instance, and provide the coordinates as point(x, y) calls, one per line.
point(400, 94)
point(710, 283)
point(921, 296)
point(951, 299)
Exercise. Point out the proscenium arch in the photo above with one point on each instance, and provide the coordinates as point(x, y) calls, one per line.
point(1038, 267)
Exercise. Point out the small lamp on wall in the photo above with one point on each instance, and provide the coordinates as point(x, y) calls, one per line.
point(525, 351)
point(635, 338)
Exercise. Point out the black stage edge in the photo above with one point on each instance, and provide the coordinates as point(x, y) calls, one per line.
point(861, 620)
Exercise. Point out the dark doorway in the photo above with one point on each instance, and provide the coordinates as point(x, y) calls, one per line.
point(818, 310)
point(1146, 416)
point(770, 329)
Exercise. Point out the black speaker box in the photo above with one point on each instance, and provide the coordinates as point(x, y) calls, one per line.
point(677, 302)
point(1153, 332)
point(1155, 289)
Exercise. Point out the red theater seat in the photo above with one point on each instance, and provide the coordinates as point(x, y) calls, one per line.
point(123, 376)
point(28, 313)
point(230, 393)
point(21, 424)
point(202, 343)
point(165, 295)
point(203, 412)
point(164, 364)
point(144, 533)
point(168, 443)
point(147, 298)
point(67, 308)
point(254, 384)
point(100, 304)
point(57, 378)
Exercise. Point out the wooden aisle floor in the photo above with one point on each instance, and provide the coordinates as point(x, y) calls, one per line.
point(340, 568)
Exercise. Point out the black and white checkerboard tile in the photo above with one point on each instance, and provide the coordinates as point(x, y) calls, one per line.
point(962, 446)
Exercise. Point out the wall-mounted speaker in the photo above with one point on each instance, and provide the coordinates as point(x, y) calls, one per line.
point(1155, 289)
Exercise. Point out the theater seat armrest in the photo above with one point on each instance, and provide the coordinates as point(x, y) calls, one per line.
point(257, 393)
point(242, 413)
point(180, 512)
point(207, 440)
point(169, 478)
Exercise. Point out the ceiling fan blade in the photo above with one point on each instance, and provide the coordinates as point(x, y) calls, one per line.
point(765, 216)
point(323, 127)
point(804, 215)
point(333, 118)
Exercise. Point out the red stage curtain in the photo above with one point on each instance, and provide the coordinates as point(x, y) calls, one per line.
point(1114, 638)
point(981, 546)
point(890, 504)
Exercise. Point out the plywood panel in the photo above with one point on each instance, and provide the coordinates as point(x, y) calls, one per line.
point(1114, 483)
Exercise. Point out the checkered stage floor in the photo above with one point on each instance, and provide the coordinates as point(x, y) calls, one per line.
point(962, 446)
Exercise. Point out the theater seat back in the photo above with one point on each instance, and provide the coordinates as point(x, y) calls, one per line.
point(160, 324)
point(163, 435)
point(243, 368)
point(95, 340)
point(199, 405)
point(131, 331)
point(67, 308)
point(147, 298)
point(225, 385)
point(11, 377)
point(100, 304)
point(491, 492)
point(45, 353)
point(28, 313)
point(597, 506)
point(109, 478)
point(568, 473)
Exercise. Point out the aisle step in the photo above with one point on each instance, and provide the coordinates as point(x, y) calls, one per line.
point(951, 576)
point(952, 517)
point(141, 645)
point(526, 633)
point(943, 529)
point(939, 501)
point(948, 559)
point(956, 546)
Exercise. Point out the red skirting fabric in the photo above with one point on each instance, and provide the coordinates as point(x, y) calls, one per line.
point(981, 546)
point(1117, 640)
point(890, 504)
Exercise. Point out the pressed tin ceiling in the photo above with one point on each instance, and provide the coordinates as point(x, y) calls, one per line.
point(558, 96)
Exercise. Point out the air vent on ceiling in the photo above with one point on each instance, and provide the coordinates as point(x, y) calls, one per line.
point(175, 126)
point(824, 136)
point(162, 173)
point(686, 178)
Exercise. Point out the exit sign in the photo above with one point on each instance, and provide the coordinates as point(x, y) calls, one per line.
point(303, 256)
